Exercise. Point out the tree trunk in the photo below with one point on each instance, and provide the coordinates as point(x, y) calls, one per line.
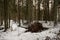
point(19, 12)
point(39, 14)
point(46, 10)
point(55, 12)
point(5, 15)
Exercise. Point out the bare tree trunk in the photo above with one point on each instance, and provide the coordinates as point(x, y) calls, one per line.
point(18, 12)
point(30, 7)
point(35, 11)
point(55, 12)
point(1, 21)
point(46, 10)
point(27, 17)
point(9, 20)
point(39, 13)
point(5, 15)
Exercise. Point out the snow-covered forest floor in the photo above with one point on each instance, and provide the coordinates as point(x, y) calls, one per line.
point(19, 33)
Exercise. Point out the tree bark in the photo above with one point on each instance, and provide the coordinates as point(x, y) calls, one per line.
point(5, 15)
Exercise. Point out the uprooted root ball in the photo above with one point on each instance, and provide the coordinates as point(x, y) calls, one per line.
point(35, 27)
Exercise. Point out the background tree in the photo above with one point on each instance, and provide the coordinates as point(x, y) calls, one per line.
point(1, 11)
point(19, 11)
point(5, 14)
point(46, 10)
point(39, 13)
point(55, 12)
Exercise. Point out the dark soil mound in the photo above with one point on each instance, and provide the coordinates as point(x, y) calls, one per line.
point(35, 27)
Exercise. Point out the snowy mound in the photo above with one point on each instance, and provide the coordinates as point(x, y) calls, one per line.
point(49, 24)
point(19, 34)
point(39, 35)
